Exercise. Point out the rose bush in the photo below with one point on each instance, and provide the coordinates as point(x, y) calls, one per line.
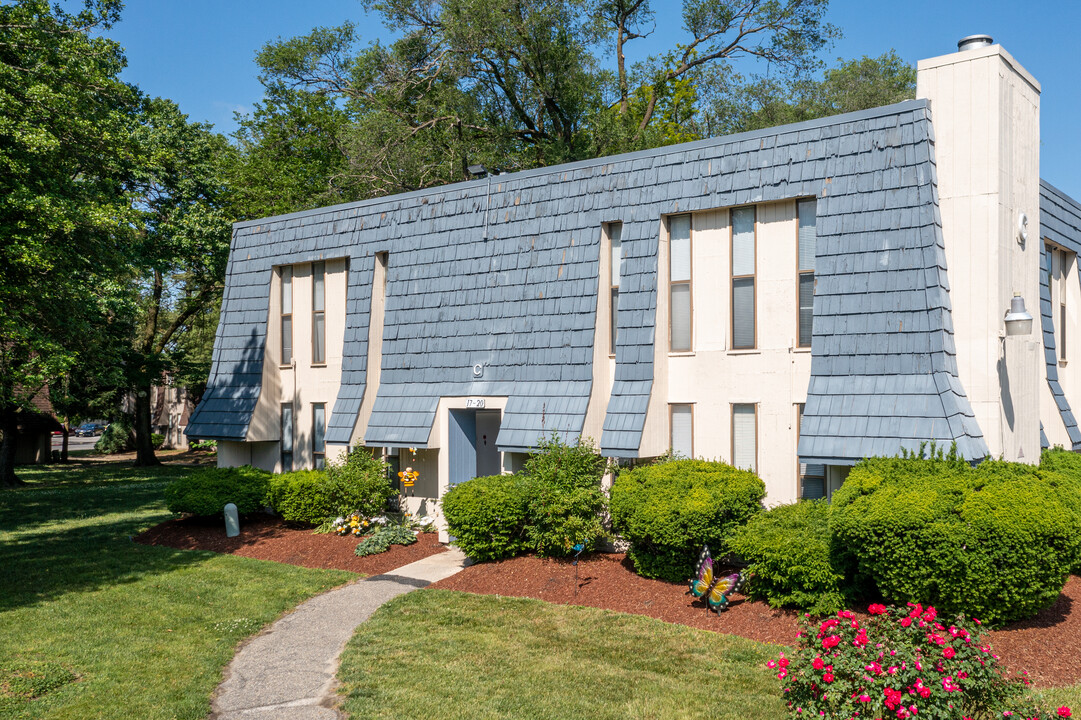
point(899, 663)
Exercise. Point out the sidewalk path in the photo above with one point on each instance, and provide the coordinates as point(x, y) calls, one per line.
point(287, 672)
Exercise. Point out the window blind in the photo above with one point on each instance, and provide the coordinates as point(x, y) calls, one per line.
point(808, 235)
point(681, 318)
point(319, 429)
point(744, 438)
point(743, 312)
point(287, 438)
point(743, 241)
point(806, 307)
point(682, 438)
point(680, 243)
point(615, 235)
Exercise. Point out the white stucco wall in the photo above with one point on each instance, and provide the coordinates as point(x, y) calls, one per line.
point(985, 109)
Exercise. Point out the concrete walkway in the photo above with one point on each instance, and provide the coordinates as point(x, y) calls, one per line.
point(287, 671)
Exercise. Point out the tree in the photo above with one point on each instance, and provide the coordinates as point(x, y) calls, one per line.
point(181, 248)
point(852, 85)
point(508, 84)
point(64, 217)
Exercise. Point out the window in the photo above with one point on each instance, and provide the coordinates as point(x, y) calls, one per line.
point(743, 272)
point(679, 283)
point(319, 315)
point(682, 430)
point(287, 315)
point(319, 435)
point(615, 239)
point(745, 436)
point(287, 438)
point(1058, 271)
point(812, 478)
point(807, 238)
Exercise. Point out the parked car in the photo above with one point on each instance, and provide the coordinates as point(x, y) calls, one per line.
point(89, 430)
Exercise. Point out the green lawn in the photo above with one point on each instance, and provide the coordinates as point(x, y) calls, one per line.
point(442, 654)
point(98, 626)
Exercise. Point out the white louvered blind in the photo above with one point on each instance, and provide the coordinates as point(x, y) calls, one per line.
point(744, 437)
point(680, 242)
point(615, 234)
point(743, 278)
point(743, 241)
point(681, 318)
point(808, 234)
point(743, 312)
point(683, 430)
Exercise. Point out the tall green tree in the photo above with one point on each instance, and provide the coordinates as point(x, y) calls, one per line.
point(65, 219)
point(182, 244)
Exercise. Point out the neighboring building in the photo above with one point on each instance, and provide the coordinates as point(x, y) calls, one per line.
point(170, 409)
point(837, 286)
point(35, 439)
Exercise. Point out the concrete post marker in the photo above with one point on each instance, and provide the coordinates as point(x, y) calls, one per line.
point(288, 671)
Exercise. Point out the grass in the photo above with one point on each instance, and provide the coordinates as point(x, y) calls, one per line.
point(93, 625)
point(443, 654)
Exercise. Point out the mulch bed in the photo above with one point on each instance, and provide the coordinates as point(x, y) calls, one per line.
point(1045, 645)
point(269, 538)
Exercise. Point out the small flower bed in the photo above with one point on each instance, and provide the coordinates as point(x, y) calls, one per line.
point(899, 664)
point(357, 525)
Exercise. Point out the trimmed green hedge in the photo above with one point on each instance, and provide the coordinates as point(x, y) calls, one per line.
point(788, 551)
point(488, 516)
point(206, 492)
point(669, 511)
point(300, 496)
point(996, 541)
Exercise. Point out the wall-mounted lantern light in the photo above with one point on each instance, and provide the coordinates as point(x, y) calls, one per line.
point(1018, 320)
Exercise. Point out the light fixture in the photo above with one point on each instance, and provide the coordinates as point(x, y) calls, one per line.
point(477, 171)
point(1018, 320)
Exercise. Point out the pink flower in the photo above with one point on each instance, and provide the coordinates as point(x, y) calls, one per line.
point(828, 677)
point(876, 609)
point(781, 675)
point(771, 664)
point(831, 641)
point(783, 662)
point(1064, 712)
point(848, 614)
point(905, 622)
point(949, 653)
point(865, 698)
point(818, 663)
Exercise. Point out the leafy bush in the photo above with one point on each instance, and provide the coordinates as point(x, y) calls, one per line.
point(669, 511)
point(788, 551)
point(300, 496)
point(204, 445)
point(488, 516)
point(117, 438)
point(206, 492)
point(358, 484)
point(157, 440)
point(383, 538)
point(567, 499)
point(996, 541)
point(898, 663)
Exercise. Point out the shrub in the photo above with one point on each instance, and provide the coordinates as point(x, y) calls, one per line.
point(788, 551)
point(996, 541)
point(204, 445)
point(488, 516)
point(668, 511)
point(383, 538)
point(566, 502)
point(898, 663)
point(157, 440)
point(117, 438)
point(358, 483)
point(300, 496)
point(206, 492)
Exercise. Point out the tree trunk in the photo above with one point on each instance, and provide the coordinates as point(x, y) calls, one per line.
point(9, 425)
point(144, 444)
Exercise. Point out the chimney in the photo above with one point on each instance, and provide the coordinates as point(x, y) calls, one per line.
point(985, 108)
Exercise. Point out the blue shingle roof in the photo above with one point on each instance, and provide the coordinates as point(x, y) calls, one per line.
point(1060, 222)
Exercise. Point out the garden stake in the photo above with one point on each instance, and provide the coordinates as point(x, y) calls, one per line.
point(577, 551)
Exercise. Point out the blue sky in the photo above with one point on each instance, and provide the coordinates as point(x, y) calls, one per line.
point(201, 53)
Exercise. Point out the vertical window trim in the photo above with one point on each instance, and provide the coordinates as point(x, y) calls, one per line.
point(671, 444)
point(285, 316)
point(732, 424)
point(613, 286)
point(733, 277)
point(318, 455)
point(322, 351)
point(687, 282)
point(799, 273)
point(1062, 296)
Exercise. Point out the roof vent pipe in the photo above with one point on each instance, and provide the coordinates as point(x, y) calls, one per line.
point(974, 42)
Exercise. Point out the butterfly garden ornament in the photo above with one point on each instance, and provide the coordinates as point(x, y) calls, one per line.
point(715, 589)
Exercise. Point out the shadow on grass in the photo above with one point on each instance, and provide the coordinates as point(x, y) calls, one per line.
point(57, 540)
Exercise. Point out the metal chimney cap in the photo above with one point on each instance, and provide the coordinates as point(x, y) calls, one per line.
point(973, 42)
